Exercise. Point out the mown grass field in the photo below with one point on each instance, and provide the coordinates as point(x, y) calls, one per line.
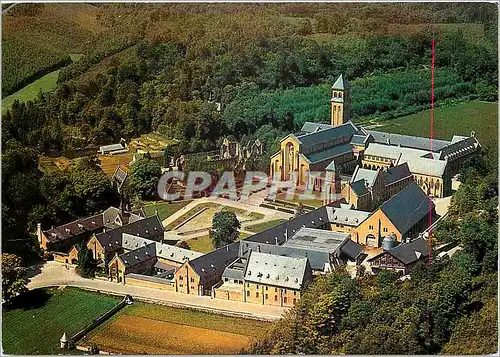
point(35, 323)
point(165, 209)
point(459, 119)
point(204, 244)
point(260, 227)
point(154, 329)
point(45, 84)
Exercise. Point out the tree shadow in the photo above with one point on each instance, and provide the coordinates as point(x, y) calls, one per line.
point(33, 299)
point(33, 271)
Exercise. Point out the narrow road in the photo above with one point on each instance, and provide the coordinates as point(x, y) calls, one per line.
point(55, 274)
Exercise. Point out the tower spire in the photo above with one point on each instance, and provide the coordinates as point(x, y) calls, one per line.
point(340, 102)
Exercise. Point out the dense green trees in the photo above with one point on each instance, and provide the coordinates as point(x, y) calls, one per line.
point(144, 176)
point(225, 228)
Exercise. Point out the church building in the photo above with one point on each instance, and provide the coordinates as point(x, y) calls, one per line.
point(337, 148)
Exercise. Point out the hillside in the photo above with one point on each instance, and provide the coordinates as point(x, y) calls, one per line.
point(39, 38)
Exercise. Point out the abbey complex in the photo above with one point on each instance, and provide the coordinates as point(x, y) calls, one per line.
point(342, 147)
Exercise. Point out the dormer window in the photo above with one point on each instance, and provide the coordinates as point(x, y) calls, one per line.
point(286, 279)
point(93, 222)
point(268, 276)
point(80, 225)
point(136, 257)
point(249, 272)
point(67, 230)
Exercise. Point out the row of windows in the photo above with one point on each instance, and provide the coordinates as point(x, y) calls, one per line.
point(182, 278)
point(370, 227)
point(337, 94)
point(266, 297)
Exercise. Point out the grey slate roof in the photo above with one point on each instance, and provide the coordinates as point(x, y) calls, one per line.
point(113, 217)
point(341, 83)
point(358, 139)
point(409, 141)
point(317, 239)
point(422, 165)
point(329, 154)
point(277, 234)
point(347, 129)
point(310, 127)
point(351, 249)
point(236, 270)
point(276, 270)
point(331, 166)
point(217, 260)
point(163, 250)
point(119, 176)
point(407, 207)
point(366, 175)
point(408, 253)
point(396, 173)
point(359, 188)
point(317, 258)
point(139, 255)
point(415, 159)
point(460, 147)
point(149, 227)
point(346, 216)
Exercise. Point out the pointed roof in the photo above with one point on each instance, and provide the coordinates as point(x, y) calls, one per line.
point(341, 83)
point(64, 338)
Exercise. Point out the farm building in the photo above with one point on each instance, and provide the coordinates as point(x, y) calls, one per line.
point(62, 238)
point(114, 149)
point(104, 245)
point(402, 258)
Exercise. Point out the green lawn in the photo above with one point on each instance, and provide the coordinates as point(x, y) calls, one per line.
point(45, 84)
point(459, 119)
point(204, 244)
point(165, 209)
point(260, 227)
point(36, 322)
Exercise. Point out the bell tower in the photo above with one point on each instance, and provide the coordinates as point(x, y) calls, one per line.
point(340, 110)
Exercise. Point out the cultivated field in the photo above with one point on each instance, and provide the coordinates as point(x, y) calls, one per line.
point(460, 119)
point(153, 329)
point(35, 323)
point(109, 163)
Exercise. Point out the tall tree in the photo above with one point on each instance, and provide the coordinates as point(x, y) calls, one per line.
point(144, 176)
point(13, 277)
point(225, 228)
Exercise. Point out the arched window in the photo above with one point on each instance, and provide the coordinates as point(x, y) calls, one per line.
point(340, 95)
point(335, 94)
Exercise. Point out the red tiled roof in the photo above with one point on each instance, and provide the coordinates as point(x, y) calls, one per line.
point(74, 228)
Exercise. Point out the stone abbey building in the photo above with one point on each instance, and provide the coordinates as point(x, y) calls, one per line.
point(342, 145)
